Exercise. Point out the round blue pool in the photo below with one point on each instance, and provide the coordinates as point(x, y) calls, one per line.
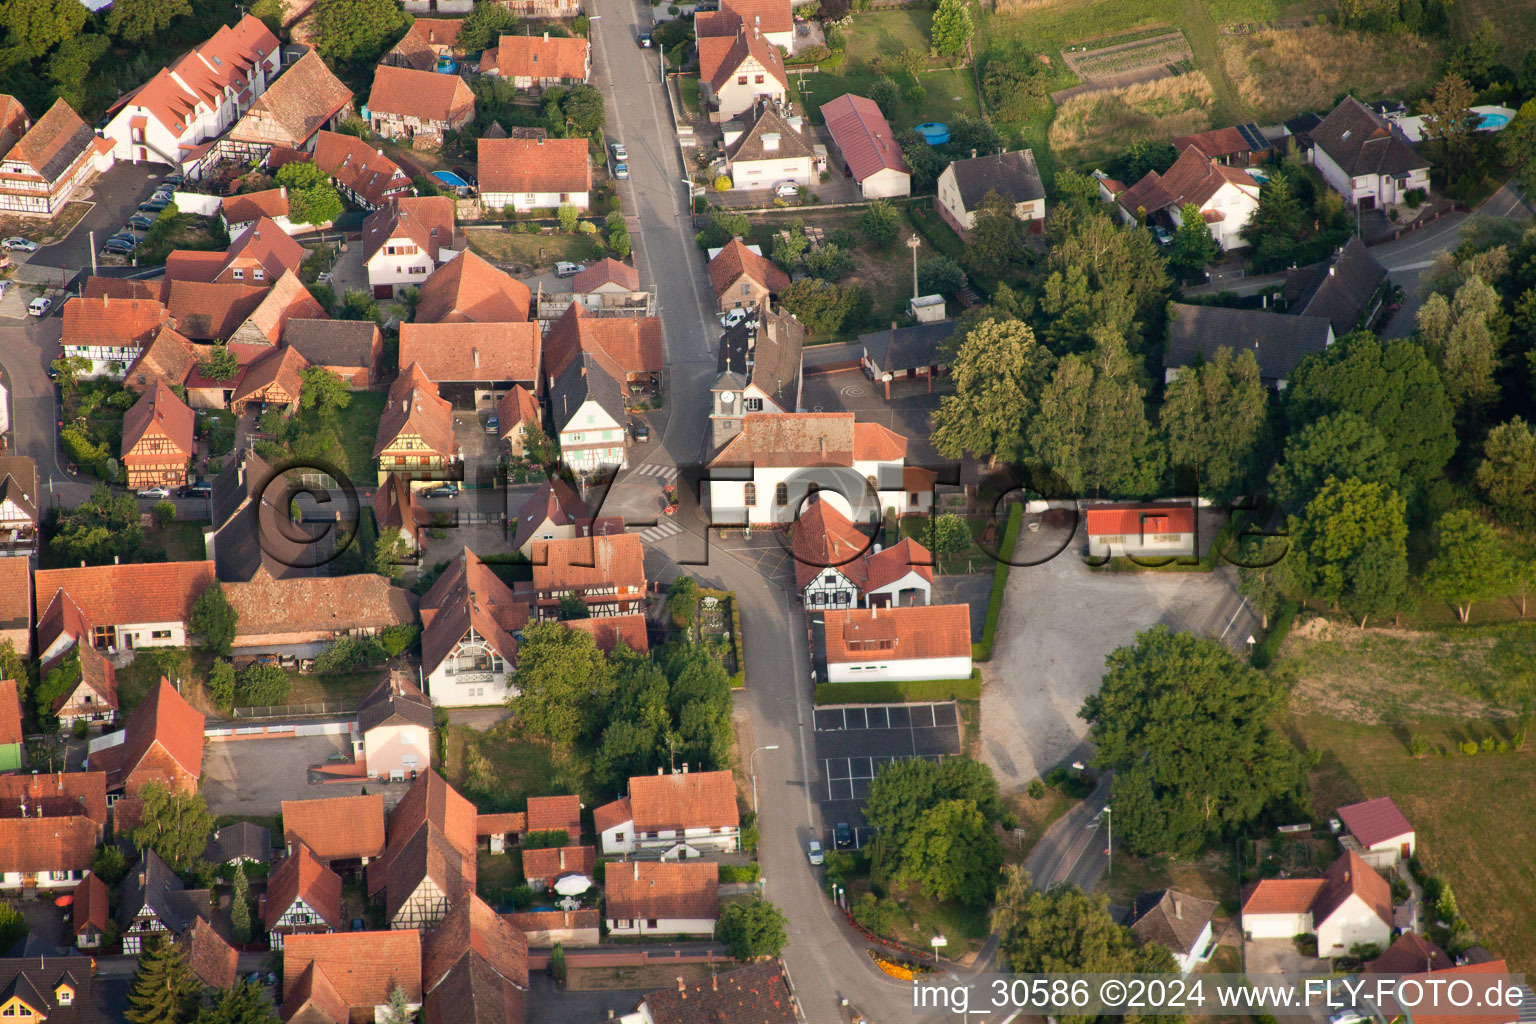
point(1492, 120)
point(450, 179)
point(933, 133)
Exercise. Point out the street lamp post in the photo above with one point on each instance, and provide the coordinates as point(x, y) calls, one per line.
point(913, 243)
point(1109, 846)
point(752, 768)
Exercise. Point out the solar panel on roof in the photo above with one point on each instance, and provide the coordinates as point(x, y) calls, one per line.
point(1255, 138)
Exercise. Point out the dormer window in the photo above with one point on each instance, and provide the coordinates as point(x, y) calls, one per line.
point(64, 995)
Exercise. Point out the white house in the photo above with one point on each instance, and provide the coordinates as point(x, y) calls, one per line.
point(773, 18)
point(759, 369)
point(736, 71)
point(836, 566)
point(866, 147)
point(240, 213)
point(303, 897)
point(406, 240)
point(1176, 921)
point(1153, 530)
point(45, 166)
point(763, 475)
point(117, 607)
point(1365, 159)
point(1377, 831)
point(662, 898)
point(468, 654)
point(965, 183)
point(534, 174)
point(1227, 196)
point(1349, 906)
point(910, 642)
point(109, 332)
point(676, 816)
point(197, 98)
point(768, 148)
point(588, 408)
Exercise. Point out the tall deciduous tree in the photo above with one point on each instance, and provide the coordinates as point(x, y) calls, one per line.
point(33, 27)
point(1351, 542)
point(881, 224)
point(136, 21)
point(1264, 573)
point(1390, 384)
point(1193, 244)
point(997, 236)
point(173, 824)
point(1507, 474)
point(1469, 564)
point(213, 621)
point(165, 991)
point(485, 26)
point(752, 930)
point(358, 31)
point(1188, 731)
point(1100, 275)
point(244, 1003)
point(1340, 444)
point(557, 671)
point(1214, 415)
point(998, 374)
point(952, 853)
point(323, 390)
point(1466, 335)
point(1518, 139)
point(952, 27)
point(1449, 122)
point(904, 791)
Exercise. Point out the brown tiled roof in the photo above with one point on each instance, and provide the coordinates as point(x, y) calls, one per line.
point(755, 994)
point(60, 794)
point(312, 999)
point(211, 958)
point(610, 630)
point(466, 594)
point(287, 300)
point(822, 536)
point(1410, 953)
point(1445, 1008)
point(120, 323)
point(158, 411)
point(765, 119)
point(265, 244)
point(583, 562)
point(606, 271)
point(13, 122)
point(468, 288)
point(1360, 142)
point(555, 502)
point(165, 721)
point(336, 828)
point(1375, 821)
point(168, 357)
point(426, 220)
point(201, 265)
point(539, 920)
point(134, 592)
point(472, 927)
point(662, 889)
point(422, 94)
point(538, 57)
point(251, 206)
point(792, 439)
point(1282, 895)
point(556, 862)
point(1171, 919)
point(735, 259)
point(16, 596)
point(304, 97)
point(769, 15)
point(363, 967)
point(457, 352)
point(548, 813)
point(501, 824)
point(280, 369)
point(894, 562)
point(1219, 141)
point(862, 136)
point(414, 406)
point(302, 875)
point(394, 700)
point(307, 603)
point(713, 48)
point(431, 834)
point(610, 814)
point(122, 288)
point(96, 672)
point(748, 43)
point(395, 506)
point(32, 845)
point(334, 343)
point(211, 312)
point(916, 631)
point(516, 407)
point(1351, 875)
point(10, 713)
point(90, 907)
point(534, 165)
point(55, 143)
point(359, 167)
point(622, 345)
point(420, 46)
point(473, 993)
point(874, 442)
point(683, 800)
point(1195, 177)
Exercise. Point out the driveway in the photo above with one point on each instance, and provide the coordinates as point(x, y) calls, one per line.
point(1279, 956)
point(114, 195)
point(254, 777)
point(1059, 621)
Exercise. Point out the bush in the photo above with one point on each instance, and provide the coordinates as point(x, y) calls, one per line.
point(1469, 748)
point(722, 184)
point(1418, 745)
point(350, 654)
point(396, 640)
point(740, 872)
point(165, 512)
point(1414, 197)
point(1037, 789)
point(262, 684)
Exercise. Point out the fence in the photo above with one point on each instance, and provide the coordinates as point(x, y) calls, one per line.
point(319, 707)
point(1408, 229)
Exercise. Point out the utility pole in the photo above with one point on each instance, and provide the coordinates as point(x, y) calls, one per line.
point(913, 243)
point(1109, 829)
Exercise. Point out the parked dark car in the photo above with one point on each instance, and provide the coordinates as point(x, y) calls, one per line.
point(449, 490)
point(196, 489)
point(640, 431)
point(645, 40)
point(154, 205)
point(173, 180)
point(842, 836)
point(118, 247)
point(141, 221)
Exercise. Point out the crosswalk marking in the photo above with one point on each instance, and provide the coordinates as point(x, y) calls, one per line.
point(661, 531)
point(660, 471)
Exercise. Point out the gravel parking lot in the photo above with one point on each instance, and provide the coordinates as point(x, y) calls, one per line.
point(256, 776)
point(1059, 621)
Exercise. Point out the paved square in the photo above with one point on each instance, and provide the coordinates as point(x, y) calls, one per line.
point(854, 741)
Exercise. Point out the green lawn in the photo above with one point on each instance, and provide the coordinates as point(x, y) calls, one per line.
point(498, 770)
point(359, 427)
point(688, 90)
point(347, 687)
point(529, 252)
point(181, 542)
point(887, 33)
point(949, 94)
point(972, 559)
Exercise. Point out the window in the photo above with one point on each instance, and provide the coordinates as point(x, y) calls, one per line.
point(651, 923)
point(754, 405)
point(758, 80)
point(741, 79)
point(143, 380)
point(65, 996)
point(746, 288)
point(237, 274)
point(259, 274)
point(622, 922)
point(781, 495)
point(160, 634)
point(565, 197)
point(749, 495)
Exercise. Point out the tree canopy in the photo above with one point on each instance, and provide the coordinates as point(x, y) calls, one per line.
point(952, 27)
point(1469, 564)
point(137, 21)
point(1340, 444)
point(558, 671)
point(1351, 545)
point(213, 621)
point(935, 827)
point(1215, 414)
point(1193, 244)
point(357, 32)
point(1507, 473)
point(1188, 731)
point(752, 930)
point(998, 375)
point(104, 526)
point(485, 26)
point(173, 824)
point(165, 991)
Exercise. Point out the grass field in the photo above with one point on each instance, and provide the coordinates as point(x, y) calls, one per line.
point(1096, 125)
point(1472, 816)
point(348, 687)
point(532, 251)
point(359, 429)
point(498, 770)
point(949, 94)
point(1209, 877)
point(1516, 24)
point(1279, 73)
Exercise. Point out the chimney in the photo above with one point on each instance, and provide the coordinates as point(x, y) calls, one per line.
point(476, 353)
point(637, 878)
point(714, 981)
point(117, 560)
point(283, 191)
point(546, 37)
point(1178, 909)
point(973, 154)
point(1330, 270)
point(685, 767)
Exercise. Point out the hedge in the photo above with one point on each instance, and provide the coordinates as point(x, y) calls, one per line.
point(982, 650)
point(1265, 650)
point(894, 692)
point(739, 872)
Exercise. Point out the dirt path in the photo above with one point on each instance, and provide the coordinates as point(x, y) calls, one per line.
point(1201, 34)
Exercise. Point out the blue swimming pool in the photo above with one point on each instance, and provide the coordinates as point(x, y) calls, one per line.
point(450, 179)
point(1492, 120)
point(934, 133)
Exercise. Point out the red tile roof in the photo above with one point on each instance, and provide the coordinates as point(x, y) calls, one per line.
point(514, 822)
point(286, 300)
point(472, 927)
point(684, 800)
point(564, 57)
point(735, 260)
point(116, 595)
point(610, 630)
point(121, 288)
point(120, 323)
point(263, 245)
point(1451, 1004)
point(534, 165)
point(467, 594)
point(426, 220)
point(580, 563)
point(211, 958)
point(458, 352)
point(10, 713)
point(166, 722)
point(90, 907)
point(891, 564)
point(1216, 142)
point(1128, 519)
point(160, 416)
point(862, 136)
point(810, 438)
point(648, 890)
point(613, 814)
point(1410, 953)
point(555, 862)
point(359, 167)
point(898, 634)
point(312, 999)
point(606, 271)
point(756, 994)
point(56, 142)
point(1349, 876)
point(169, 357)
point(415, 407)
point(66, 817)
point(1282, 895)
point(554, 502)
point(468, 288)
point(16, 587)
point(304, 98)
point(421, 94)
point(873, 442)
point(1193, 178)
point(201, 265)
point(431, 834)
point(302, 875)
point(747, 44)
point(623, 345)
point(274, 377)
point(1374, 822)
point(211, 312)
point(363, 967)
point(336, 828)
point(548, 813)
point(517, 407)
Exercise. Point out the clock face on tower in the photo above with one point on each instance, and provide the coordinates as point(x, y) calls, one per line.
point(727, 398)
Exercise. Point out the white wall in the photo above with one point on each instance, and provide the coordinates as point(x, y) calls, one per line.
point(911, 581)
point(610, 842)
point(767, 173)
point(1150, 545)
point(904, 669)
point(454, 691)
point(886, 184)
point(1277, 926)
point(665, 926)
point(1353, 922)
point(201, 206)
point(525, 201)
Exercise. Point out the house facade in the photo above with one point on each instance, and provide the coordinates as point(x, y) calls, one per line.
point(606, 572)
point(1380, 833)
point(907, 642)
point(19, 509)
point(677, 816)
point(363, 175)
point(415, 437)
point(589, 418)
point(768, 149)
point(94, 698)
point(50, 826)
point(744, 279)
point(866, 148)
point(406, 241)
point(406, 103)
point(759, 369)
point(662, 898)
point(531, 62)
point(1127, 529)
point(1366, 160)
point(394, 723)
point(117, 607)
point(534, 174)
point(468, 655)
point(303, 897)
point(109, 332)
point(836, 566)
point(738, 70)
point(964, 184)
point(1227, 196)
point(48, 164)
point(1351, 905)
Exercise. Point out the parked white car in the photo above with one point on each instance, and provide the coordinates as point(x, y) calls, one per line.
point(40, 306)
point(158, 492)
point(786, 190)
point(18, 244)
point(731, 317)
point(814, 852)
